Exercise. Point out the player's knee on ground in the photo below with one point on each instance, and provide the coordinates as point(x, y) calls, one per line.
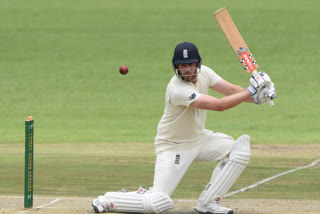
point(133, 202)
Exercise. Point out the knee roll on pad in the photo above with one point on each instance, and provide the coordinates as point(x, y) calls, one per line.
point(240, 152)
point(156, 202)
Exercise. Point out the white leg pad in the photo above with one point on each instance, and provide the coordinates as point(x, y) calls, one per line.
point(157, 202)
point(227, 171)
point(133, 202)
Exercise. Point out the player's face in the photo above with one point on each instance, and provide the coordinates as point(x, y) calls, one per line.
point(188, 72)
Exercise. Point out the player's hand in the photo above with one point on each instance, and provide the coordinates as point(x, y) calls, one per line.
point(265, 94)
point(259, 81)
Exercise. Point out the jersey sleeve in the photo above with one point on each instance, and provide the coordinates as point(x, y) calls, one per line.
point(212, 76)
point(184, 95)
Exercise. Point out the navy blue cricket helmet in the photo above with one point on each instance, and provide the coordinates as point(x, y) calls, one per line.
point(186, 53)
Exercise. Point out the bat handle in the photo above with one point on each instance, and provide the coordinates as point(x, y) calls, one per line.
point(271, 102)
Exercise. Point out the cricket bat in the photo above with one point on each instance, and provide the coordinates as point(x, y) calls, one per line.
point(237, 43)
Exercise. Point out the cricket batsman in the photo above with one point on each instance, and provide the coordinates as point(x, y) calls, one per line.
point(182, 138)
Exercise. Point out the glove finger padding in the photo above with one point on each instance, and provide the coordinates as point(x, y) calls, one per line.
point(264, 94)
point(266, 78)
point(260, 97)
point(258, 82)
point(271, 93)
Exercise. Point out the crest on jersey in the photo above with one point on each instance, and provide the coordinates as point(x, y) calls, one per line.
point(192, 96)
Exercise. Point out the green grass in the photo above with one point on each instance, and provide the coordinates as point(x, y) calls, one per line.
point(91, 169)
point(59, 63)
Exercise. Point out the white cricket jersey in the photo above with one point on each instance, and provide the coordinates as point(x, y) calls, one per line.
point(182, 125)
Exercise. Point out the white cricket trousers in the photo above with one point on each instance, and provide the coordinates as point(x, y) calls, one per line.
point(171, 165)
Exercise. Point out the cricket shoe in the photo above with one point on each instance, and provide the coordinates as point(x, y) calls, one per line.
point(213, 208)
point(101, 204)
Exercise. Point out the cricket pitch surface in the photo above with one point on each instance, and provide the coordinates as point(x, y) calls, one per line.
point(43, 205)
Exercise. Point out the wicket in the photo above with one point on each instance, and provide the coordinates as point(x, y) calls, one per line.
point(28, 163)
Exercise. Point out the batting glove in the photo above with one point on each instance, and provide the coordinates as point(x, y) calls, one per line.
point(259, 81)
point(266, 93)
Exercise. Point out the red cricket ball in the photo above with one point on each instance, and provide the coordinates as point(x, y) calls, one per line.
point(123, 70)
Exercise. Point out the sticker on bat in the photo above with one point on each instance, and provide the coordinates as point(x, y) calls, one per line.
point(246, 58)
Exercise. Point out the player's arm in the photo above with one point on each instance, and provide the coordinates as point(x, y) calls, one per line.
point(220, 104)
point(227, 88)
point(235, 94)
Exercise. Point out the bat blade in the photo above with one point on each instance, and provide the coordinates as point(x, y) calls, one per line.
point(235, 40)
point(237, 43)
